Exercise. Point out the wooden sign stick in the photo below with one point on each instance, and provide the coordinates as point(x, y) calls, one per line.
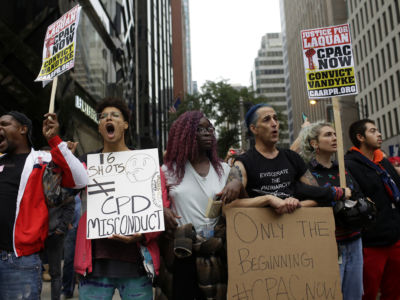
point(53, 94)
point(339, 137)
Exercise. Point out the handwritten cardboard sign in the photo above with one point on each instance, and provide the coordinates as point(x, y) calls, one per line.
point(329, 62)
point(59, 45)
point(124, 193)
point(291, 256)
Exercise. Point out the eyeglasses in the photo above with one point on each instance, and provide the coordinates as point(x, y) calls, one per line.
point(113, 115)
point(204, 130)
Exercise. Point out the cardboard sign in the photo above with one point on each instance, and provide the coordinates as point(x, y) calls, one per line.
point(59, 46)
point(328, 62)
point(124, 193)
point(290, 256)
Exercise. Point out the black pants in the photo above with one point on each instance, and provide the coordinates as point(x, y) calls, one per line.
point(185, 279)
point(53, 248)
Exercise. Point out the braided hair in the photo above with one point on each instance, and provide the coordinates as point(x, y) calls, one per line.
point(182, 145)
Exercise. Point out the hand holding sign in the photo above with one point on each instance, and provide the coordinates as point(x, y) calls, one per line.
point(50, 126)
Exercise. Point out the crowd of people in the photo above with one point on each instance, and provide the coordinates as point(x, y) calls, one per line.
point(42, 192)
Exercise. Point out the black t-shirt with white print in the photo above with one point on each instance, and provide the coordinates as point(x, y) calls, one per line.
point(275, 176)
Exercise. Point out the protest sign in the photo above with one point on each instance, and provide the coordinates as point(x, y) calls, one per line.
point(328, 62)
point(290, 256)
point(59, 45)
point(124, 194)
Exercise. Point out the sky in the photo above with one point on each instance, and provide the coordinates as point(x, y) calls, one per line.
point(226, 35)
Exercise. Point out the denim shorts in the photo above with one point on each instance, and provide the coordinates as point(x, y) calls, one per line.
point(20, 277)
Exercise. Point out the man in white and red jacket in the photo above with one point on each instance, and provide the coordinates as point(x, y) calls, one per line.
point(24, 212)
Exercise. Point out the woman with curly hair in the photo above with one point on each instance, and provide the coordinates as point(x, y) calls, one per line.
point(318, 145)
point(194, 173)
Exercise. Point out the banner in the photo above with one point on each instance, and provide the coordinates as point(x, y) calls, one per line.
point(59, 46)
point(124, 194)
point(290, 256)
point(328, 62)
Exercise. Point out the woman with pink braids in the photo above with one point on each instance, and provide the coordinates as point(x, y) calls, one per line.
point(194, 173)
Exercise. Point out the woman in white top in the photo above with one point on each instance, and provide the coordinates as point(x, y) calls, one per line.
point(194, 173)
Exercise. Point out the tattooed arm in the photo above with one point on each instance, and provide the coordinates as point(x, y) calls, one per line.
point(235, 184)
point(309, 179)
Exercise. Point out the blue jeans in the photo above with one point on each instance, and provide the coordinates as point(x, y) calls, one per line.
point(351, 269)
point(68, 278)
point(20, 277)
point(102, 288)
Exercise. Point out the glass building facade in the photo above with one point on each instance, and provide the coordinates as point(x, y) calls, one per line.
point(123, 50)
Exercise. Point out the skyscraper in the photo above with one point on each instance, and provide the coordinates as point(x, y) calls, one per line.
point(268, 77)
point(297, 16)
point(376, 43)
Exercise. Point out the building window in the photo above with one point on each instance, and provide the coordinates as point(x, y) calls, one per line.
point(383, 60)
point(372, 67)
point(385, 24)
point(396, 55)
point(387, 91)
point(362, 17)
point(363, 73)
point(369, 41)
point(369, 77)
point(358, 24)
point(380, 30)
point(362, 108)
point(378, 67)
point(398, 80)
point(381, 95)
point(397, 9)
point(384, 127)
point(379, 125)
point(389, 55)
point(356, 49)
point(365, 46)
point(396, 121)
point(392, 87)
point(370, 7)
point(376, 99)
point(390, 123)
point(374, 34)
point(391, 16)
point(371, 105)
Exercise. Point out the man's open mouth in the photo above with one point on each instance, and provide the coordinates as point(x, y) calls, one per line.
point(2, 138)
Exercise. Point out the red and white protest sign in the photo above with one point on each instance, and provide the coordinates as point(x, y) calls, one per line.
point(328, 61)
point(59, 45)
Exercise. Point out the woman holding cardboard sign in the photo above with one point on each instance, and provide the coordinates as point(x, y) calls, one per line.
point(194, 174)
point(318, 144)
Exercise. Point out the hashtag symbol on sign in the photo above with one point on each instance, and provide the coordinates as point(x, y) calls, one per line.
point(100, 186)
point(242, 294)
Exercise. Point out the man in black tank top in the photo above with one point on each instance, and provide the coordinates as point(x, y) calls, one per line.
point(272, 176)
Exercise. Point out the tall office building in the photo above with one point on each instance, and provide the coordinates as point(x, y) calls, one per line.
point(155, 78)
point(108, 63)
point(268, 78)
point(296, 16)
point(375, 29)
point(181, 52)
